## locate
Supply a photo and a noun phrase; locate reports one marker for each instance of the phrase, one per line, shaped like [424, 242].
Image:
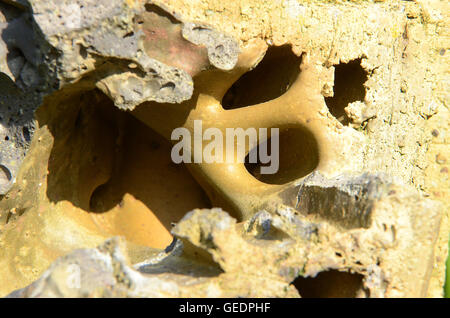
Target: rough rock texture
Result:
[24, 77]
[64, 40]
[265, 256]
[82, 168]
[108, 37]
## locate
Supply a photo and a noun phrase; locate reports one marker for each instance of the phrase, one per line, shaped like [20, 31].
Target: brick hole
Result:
[270, 79]
[298, 157]
[330, 284]
[349, 79]
[106, 162]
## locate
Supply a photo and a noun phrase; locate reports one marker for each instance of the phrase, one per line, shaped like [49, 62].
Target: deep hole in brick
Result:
[349, 79]
[330, 284]
[298, 157]
[270, 79]
[108, 164]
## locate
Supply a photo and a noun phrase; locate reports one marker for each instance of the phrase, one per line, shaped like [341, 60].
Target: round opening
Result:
[349, 79]
[331, 284]
[298, 156]
[270, 79]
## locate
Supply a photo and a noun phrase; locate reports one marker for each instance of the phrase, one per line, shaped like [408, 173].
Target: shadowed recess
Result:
[349, 79]
[106, 162]
[330, 284]
[270, 79]
[298, 157]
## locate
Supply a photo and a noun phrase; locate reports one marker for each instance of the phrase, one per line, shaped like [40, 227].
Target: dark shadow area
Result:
[16, 129]
[9, 92]
[298, 157]
[149, 7]
[270, 79]
[105, 161]
[25, 45]
[349, 79]
[330, 284]
[5, 175]
[11, 10]
[25, 77]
